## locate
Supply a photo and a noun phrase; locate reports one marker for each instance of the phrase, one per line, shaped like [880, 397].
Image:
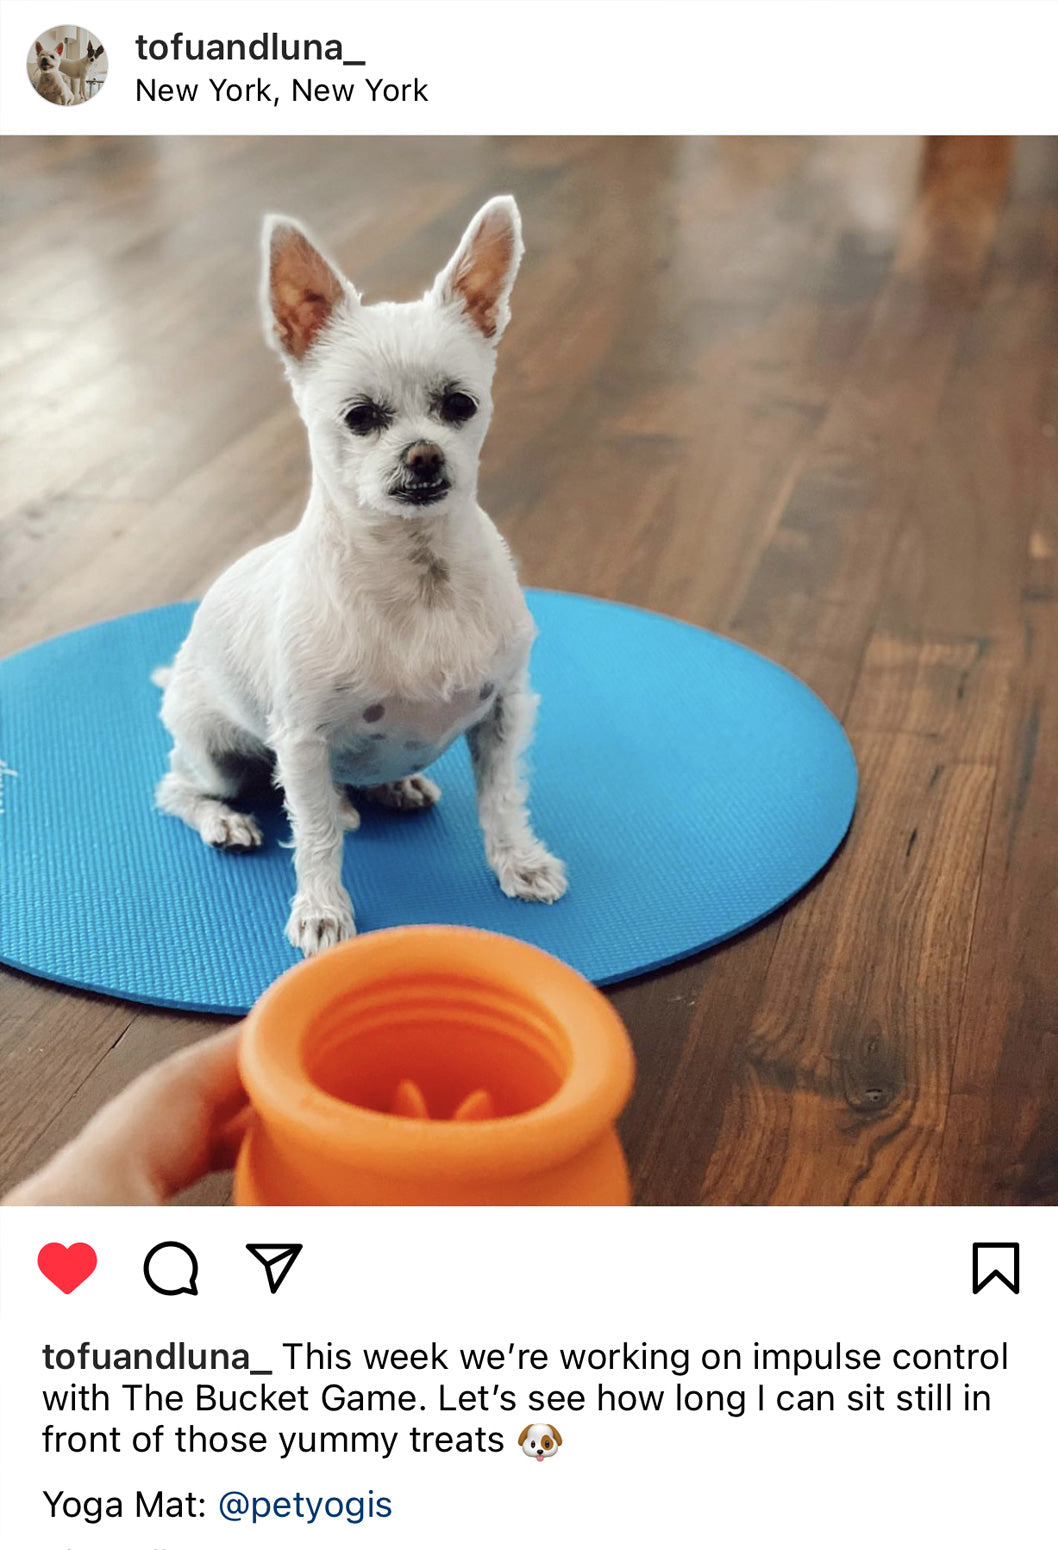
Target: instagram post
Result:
[528, 685]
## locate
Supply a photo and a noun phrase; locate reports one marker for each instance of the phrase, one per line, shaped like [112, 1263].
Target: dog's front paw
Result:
[227, 830]
[530, 872]
[316, 924]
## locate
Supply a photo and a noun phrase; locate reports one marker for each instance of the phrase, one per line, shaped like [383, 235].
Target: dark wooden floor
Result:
[803, 392]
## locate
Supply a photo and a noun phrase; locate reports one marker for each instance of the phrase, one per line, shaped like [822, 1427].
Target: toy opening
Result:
[438, 1049]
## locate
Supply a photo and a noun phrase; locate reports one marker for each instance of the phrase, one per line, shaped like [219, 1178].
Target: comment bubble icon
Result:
[171, 1269]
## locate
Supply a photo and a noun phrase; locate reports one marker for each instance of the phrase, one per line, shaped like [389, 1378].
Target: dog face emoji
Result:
[540, 1442]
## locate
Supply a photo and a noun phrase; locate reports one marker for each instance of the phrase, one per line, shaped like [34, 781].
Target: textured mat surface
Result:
[690, 785]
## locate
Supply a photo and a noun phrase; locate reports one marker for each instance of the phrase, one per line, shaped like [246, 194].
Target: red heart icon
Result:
[66, 1267]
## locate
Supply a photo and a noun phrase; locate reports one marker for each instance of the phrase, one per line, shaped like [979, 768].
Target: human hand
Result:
[170, 1127]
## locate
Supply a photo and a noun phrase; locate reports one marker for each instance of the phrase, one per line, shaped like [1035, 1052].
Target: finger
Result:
[167, 1120]
[228, 1140]
[152, 1140]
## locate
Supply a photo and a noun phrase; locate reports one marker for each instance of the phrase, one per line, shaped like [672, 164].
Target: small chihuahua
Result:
[77, 70]
[49, 82]
[351, 652]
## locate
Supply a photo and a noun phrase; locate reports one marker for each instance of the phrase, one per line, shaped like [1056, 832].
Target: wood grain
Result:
[801, 391]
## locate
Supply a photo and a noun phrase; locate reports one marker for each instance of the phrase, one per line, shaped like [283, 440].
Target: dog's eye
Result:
[364, 417]
[456, 408]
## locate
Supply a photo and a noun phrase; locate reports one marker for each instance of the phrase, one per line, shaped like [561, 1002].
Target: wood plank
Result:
[813, 598]
[51, 1041]
[838, 1069]
[1001, 1138]
[849, 1076]
[146, 1037]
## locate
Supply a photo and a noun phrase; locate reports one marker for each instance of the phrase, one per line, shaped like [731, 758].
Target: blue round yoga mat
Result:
[690, 785]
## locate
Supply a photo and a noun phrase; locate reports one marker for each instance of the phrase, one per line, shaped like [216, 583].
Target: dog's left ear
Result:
[481, 272]
[58, 48]
[301, 288]
[556, 1434]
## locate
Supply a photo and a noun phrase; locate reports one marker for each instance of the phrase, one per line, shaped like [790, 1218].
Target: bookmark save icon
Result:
[277, 1258]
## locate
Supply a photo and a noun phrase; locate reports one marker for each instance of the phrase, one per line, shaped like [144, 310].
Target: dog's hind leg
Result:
[348, 816]
[411, 795]
[195, 790]
[211, 762]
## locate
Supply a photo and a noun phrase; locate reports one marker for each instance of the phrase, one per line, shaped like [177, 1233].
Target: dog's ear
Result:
[556, 1434]
[301, 288]
[481, 272]
[58, 48]
[525, 1433]
[39, 46]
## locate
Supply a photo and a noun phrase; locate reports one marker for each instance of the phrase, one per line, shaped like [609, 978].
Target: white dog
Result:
[77, 70]
[541, 1442]
[48, 81]
[352, 651]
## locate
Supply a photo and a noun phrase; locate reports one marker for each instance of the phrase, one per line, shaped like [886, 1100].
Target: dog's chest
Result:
[392, 738]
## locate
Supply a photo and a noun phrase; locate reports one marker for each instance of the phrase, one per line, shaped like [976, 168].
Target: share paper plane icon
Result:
[277, 1259]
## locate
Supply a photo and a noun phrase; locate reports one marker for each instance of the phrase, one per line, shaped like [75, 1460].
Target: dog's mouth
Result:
[45, 64]
[419, 493]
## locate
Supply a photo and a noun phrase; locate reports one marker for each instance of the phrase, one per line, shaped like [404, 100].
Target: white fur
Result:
[371, 612]
[77, 70]
[48, 79]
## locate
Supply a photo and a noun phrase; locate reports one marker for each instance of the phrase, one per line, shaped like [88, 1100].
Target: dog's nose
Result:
[424, 460]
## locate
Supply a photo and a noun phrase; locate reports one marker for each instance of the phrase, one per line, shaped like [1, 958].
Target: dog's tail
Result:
[161, 676]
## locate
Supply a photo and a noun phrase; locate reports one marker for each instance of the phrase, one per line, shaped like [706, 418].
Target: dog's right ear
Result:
[39, 47]
[301, 288]
[525, 1433]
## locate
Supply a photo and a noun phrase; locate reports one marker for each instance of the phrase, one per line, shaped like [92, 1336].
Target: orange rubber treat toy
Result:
[434, 1065]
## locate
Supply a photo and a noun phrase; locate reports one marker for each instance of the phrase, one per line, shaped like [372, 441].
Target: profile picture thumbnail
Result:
[67, 66]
